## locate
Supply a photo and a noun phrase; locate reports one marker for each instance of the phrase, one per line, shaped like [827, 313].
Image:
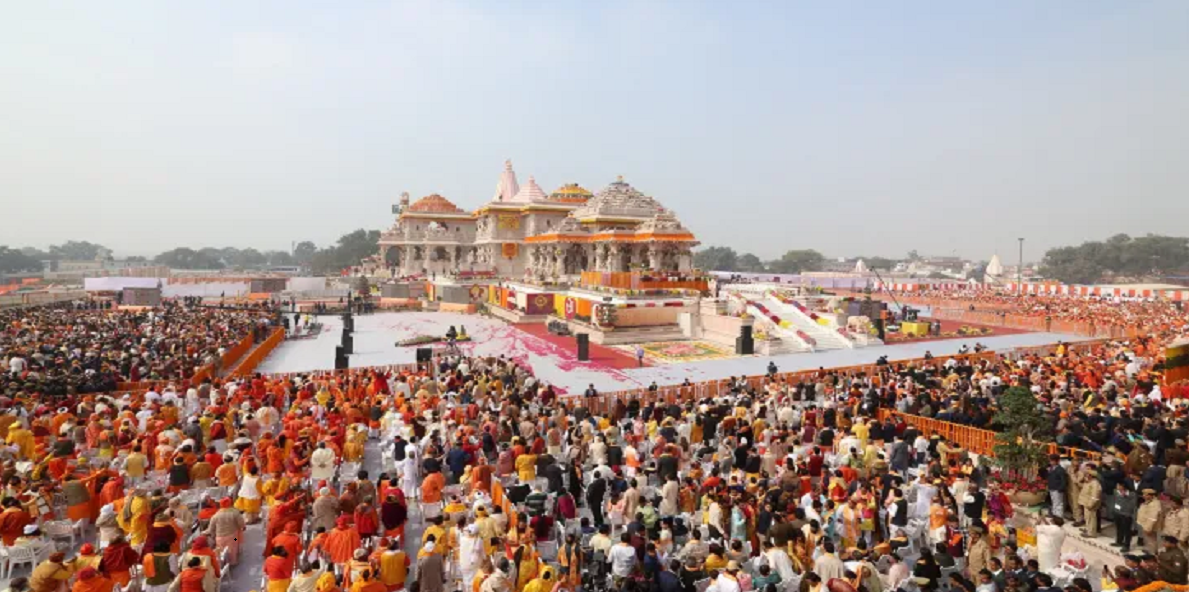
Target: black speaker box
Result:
[583, 347]
[340, 358]
[745, 331]
[745, 346]
[348, 343]
[424, 354]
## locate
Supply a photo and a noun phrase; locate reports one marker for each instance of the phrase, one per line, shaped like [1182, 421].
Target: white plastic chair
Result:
[548, 551]
[20, 555]
[60, 529]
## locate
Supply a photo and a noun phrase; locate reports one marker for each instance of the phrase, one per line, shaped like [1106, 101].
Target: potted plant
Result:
[1021, 443]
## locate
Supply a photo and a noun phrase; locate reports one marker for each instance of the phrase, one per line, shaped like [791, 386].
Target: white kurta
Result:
[1049, 539]
[322, 463]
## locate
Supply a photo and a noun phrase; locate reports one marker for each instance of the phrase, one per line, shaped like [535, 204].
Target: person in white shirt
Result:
[17, 365]
[622, 557]
[728, 581]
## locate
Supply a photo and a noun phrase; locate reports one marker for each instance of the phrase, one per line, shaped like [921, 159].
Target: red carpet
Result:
[605, 356]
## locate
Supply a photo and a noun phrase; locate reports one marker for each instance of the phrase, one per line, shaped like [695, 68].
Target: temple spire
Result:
[507, 188]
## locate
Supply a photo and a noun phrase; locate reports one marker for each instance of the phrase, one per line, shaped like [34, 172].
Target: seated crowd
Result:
[67, 348]
[505, 485]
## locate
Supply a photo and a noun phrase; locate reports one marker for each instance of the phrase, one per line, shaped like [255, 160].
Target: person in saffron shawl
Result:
[279, 517]
[13, 520]
[195, 578]
[366, 521]
[543, 583]
[118, 559]
[366, 582]
[200, 548]
[342, 542]
[278, 568]
[134, 517]
[394, 512]
[290, 541]
[90, 580]
[394, 566]
[87, 557]
[527, 565]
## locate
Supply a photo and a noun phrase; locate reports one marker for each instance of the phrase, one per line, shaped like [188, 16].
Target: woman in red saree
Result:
[394, 512]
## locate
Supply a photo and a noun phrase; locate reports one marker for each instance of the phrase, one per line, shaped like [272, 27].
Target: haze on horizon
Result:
[853, 129]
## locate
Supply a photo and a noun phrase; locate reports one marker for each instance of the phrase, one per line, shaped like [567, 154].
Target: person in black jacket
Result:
[1057, 480]
[594, 497]
[1123, 507]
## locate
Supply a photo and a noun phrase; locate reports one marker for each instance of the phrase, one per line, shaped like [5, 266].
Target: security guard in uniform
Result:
[1173, 566]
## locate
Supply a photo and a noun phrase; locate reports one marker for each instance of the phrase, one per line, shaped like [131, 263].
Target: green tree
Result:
[303, 253]
[1023, 433]
[797, 261]
[716, 259]
[749, 263]
[351, 248]
[14, 261]
[276, 258]
[1120, 255]
[76, 250]
[187, 258]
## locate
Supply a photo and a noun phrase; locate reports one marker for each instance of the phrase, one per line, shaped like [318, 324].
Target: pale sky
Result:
[849, 127]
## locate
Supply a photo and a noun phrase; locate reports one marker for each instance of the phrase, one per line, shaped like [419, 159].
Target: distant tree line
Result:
[1119, 257]
[347, 251]
[794, 261]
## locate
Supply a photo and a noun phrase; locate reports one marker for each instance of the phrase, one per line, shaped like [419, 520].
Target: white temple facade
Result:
[994, 271]
[525, 232]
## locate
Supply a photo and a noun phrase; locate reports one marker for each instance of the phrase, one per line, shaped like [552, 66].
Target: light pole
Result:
[1020, 269]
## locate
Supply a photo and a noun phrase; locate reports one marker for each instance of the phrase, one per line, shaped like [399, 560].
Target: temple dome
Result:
[619, 200]
[435, 204]
[571, 193]
[529, 192]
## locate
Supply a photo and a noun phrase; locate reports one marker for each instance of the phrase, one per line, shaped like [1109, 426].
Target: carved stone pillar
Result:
[654, 256]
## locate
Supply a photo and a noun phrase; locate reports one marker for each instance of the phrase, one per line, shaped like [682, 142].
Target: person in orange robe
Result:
[90, 580]
[191, 578]
[13, 520]
[342, 542]
[201, 547]
[290, 541]
[278, 569]
[284, 513]
[367, 582]
[118, 559]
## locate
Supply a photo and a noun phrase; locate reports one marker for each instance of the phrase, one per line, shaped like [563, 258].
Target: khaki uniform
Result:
[1090, 498]
[1149, 517]
[1074, 488]
[978, 557]
[1176, 524]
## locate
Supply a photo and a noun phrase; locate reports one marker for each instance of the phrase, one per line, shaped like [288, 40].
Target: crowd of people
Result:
[1147, 316]
[77, 347]
[473, 475]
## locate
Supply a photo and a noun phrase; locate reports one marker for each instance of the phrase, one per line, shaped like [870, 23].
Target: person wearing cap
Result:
[431, 574]
[1090, 499]
[1173, 567]
[1149, 518]
[50, 575]
[728, 579]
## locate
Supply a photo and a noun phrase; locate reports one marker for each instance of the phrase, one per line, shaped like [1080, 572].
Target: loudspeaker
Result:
[745, 346]
[424, 354]
[340, 358]
[348, 343]
[583, 347]
[877, 322]
[348, 322]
